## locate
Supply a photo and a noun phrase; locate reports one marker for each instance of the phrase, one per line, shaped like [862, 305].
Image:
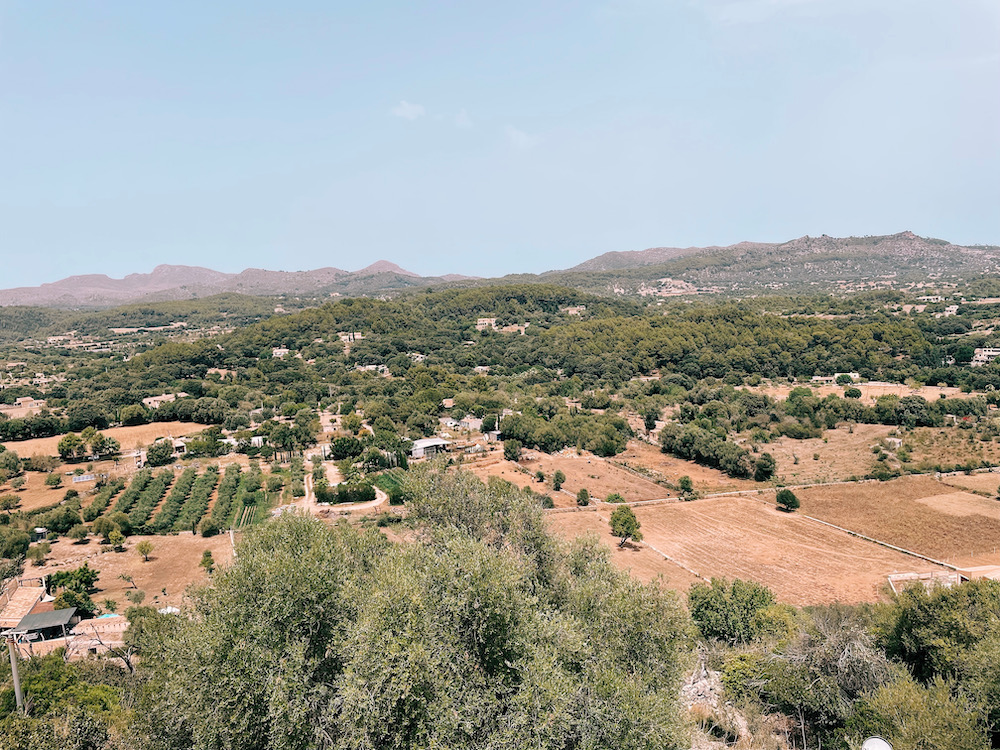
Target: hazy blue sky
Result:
[484, 137]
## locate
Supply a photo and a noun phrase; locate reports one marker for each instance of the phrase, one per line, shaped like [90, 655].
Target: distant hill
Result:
[819, 263]
[804, 264]
[167, 282]
[616, 260]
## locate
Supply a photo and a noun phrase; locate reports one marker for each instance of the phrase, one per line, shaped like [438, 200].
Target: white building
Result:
[984, 356]
[428, 447]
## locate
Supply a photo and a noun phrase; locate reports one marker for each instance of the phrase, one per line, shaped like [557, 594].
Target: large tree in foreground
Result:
[484, 633]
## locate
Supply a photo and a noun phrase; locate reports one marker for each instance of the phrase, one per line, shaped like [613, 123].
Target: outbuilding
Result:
[426, 447]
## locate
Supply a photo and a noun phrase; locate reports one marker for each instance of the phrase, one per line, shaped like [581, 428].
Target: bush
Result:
[160, 453]
[9, 502]
[78, 533]
[787, 501]
[79, 599]
[614, 497]
[731, 612]
[38, 552]
[583, 497]
[208, 527]
[512, 450]
[764, 467]
[557, 480]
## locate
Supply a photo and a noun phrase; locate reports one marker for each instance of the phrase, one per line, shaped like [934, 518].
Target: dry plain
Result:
[802, 561]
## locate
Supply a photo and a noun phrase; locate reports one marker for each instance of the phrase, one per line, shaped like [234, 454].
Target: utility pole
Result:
[15, 675]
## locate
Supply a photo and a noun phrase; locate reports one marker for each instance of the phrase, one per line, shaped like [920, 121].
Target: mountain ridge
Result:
[803, 263]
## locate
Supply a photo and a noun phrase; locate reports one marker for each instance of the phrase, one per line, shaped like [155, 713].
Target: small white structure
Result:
[155, 402]
[985, 356]
[471, 423]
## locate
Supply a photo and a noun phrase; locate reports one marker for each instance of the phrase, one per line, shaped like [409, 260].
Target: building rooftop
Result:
[43, 620]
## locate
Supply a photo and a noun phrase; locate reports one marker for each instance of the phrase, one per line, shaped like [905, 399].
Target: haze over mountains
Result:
[169, 282]
[807, 262]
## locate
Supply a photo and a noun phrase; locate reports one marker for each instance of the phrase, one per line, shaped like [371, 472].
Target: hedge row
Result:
[175, 501]
[130, 496]
[197, 503]
[102, 500]
[228, 487]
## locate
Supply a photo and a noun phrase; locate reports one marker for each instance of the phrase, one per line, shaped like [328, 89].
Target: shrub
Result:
[208, 527]
[9, 502]
[38, 552]
[512, 450]
[583, 497]
[730, 611]
[614, 497]
[764, 467]
[557, 480]
[78, 533]
[787, 501]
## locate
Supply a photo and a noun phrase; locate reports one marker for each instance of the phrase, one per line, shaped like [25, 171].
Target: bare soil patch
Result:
[802, 561]
[836, 456]
[662, 466]
[173, 565]
[916, 513]
[130, 438]
[638, 559]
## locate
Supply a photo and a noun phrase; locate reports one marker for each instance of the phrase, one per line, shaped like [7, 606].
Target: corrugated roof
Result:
[43, 620]
[428, 442]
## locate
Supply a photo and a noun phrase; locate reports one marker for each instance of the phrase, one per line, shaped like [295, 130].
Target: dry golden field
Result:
[173, 565]
[836, 456]
[138, 436]
[640, 454]
[988, 482]
[916, 513]
[802, 561]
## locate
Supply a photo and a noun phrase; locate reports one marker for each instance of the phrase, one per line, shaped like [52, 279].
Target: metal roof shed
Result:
[46, 624]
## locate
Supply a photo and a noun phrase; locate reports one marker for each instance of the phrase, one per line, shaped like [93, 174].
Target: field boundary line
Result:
[578, 509]
[679, 564]
[882, 544]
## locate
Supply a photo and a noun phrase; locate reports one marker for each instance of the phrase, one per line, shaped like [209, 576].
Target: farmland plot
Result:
[802, 561]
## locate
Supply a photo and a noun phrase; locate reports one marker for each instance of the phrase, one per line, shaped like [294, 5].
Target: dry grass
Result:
[173, 565]
[843, 454]
[130, 438]
[638, 559]
[916, 513]
[668, 468]
[802, 561]
[948, 446]
[869, 392]
[582, 470]
[986, 482]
